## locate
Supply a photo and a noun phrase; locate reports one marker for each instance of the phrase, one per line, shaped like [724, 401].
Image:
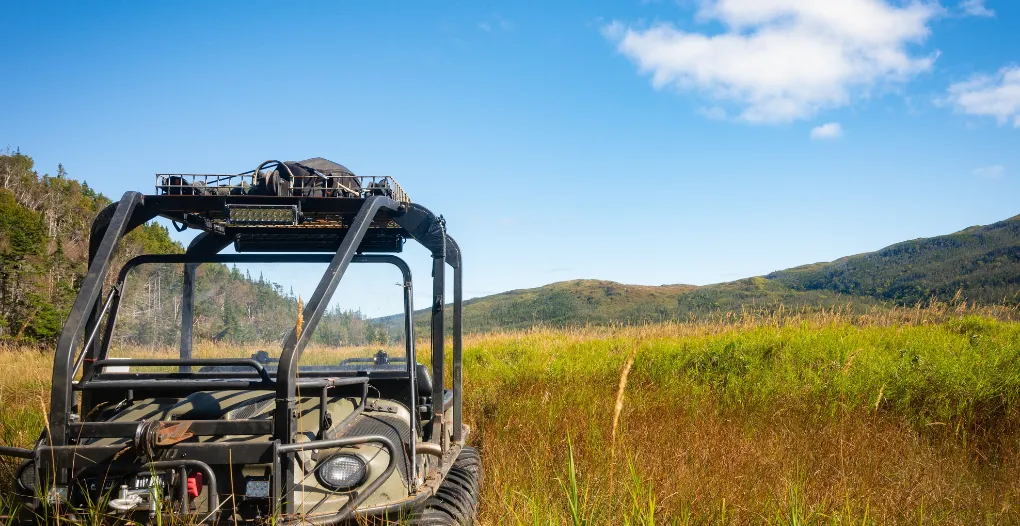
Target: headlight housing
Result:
[342, 471]
[26, 478]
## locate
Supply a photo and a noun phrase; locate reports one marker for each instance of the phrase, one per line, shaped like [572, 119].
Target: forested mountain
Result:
[595, 302]
[980, 263]
[44, 235]
[44, 228]
[603, 302]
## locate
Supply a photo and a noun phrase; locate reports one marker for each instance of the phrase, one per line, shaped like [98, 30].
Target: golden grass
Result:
[898, 417]
[908, 417]
[711, 464]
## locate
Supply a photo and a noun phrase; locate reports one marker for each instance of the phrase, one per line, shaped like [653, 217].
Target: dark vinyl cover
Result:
[303, 174]
[326, 166]
[320, 164]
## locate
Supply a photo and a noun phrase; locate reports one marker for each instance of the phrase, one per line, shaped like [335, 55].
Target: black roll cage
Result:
[366, 224]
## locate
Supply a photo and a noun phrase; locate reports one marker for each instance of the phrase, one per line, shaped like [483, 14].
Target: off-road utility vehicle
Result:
[261, 437]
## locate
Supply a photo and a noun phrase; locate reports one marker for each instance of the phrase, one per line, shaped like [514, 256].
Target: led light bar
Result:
[262, 214]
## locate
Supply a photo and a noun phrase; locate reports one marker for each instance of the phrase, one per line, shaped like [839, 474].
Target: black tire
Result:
[432, 517]
[456, 501]
[470, 460]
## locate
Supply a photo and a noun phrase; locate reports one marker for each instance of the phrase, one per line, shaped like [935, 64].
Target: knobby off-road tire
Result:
[456, 502]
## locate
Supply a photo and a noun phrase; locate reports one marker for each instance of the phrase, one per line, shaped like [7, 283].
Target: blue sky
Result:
[641, 142]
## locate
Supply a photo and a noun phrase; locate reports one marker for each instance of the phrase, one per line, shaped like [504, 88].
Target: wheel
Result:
[456, 501]
[432, 517]
[469, 459]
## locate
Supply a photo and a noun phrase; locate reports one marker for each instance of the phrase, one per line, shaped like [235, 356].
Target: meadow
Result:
[908, 416]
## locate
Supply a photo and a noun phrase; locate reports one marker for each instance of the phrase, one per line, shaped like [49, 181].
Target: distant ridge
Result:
[981, 263]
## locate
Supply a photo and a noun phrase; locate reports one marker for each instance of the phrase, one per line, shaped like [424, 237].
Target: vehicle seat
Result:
[424, 379]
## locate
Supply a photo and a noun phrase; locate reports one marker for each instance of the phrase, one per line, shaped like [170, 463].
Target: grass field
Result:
[897, 417]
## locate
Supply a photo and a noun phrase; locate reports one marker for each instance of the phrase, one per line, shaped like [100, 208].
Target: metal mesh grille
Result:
[390, 427]
[252, 410]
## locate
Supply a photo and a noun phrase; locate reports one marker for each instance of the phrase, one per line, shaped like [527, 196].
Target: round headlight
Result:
[26, 477]
[342, 471]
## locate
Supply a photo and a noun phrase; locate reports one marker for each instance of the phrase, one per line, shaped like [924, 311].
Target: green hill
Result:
[594, 302]
[980, 263]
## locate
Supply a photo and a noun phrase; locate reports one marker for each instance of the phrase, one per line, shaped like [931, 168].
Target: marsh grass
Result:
[903, 417]
[835, 417]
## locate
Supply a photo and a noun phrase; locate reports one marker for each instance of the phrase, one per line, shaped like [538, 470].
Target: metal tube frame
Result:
[133, 210]
[285, 416]
[458, 354]
[101, 255]
[80, 360]
[438, 357]
[187, 313]
[203, 244]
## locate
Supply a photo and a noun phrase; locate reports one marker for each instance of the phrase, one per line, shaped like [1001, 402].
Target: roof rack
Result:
[283, 206]
[315, 185]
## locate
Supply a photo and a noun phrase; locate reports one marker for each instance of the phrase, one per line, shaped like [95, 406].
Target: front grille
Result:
[253, 410]
[390, 427]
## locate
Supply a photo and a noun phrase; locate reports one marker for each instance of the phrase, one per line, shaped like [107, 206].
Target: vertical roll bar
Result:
[438, 290]
[187, 314]
[203, 244]
[458, 355]
[285, 415]
[412, 372]
[86, 301]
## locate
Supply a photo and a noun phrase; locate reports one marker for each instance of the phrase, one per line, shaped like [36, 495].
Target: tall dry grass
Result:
[900, 417]
[907, 416]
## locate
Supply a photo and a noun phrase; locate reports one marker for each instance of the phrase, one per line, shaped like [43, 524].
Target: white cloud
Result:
[990, 172]
[989, 95]
[832, 130]
[714, 112]
[783, 60]
[495, 22]
[976, 8]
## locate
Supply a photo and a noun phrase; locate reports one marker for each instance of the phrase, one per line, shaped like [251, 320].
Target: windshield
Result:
[247, 311]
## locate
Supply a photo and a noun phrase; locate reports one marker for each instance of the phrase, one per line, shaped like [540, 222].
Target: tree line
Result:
[44, 240]
[230, 306]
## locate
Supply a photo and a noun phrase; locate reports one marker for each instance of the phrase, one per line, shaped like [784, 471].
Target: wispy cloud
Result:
[832, 130]
[990, 172]
[989, 96]
[784, 60]
[976, 8]
[494, 23]
[715, 113]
